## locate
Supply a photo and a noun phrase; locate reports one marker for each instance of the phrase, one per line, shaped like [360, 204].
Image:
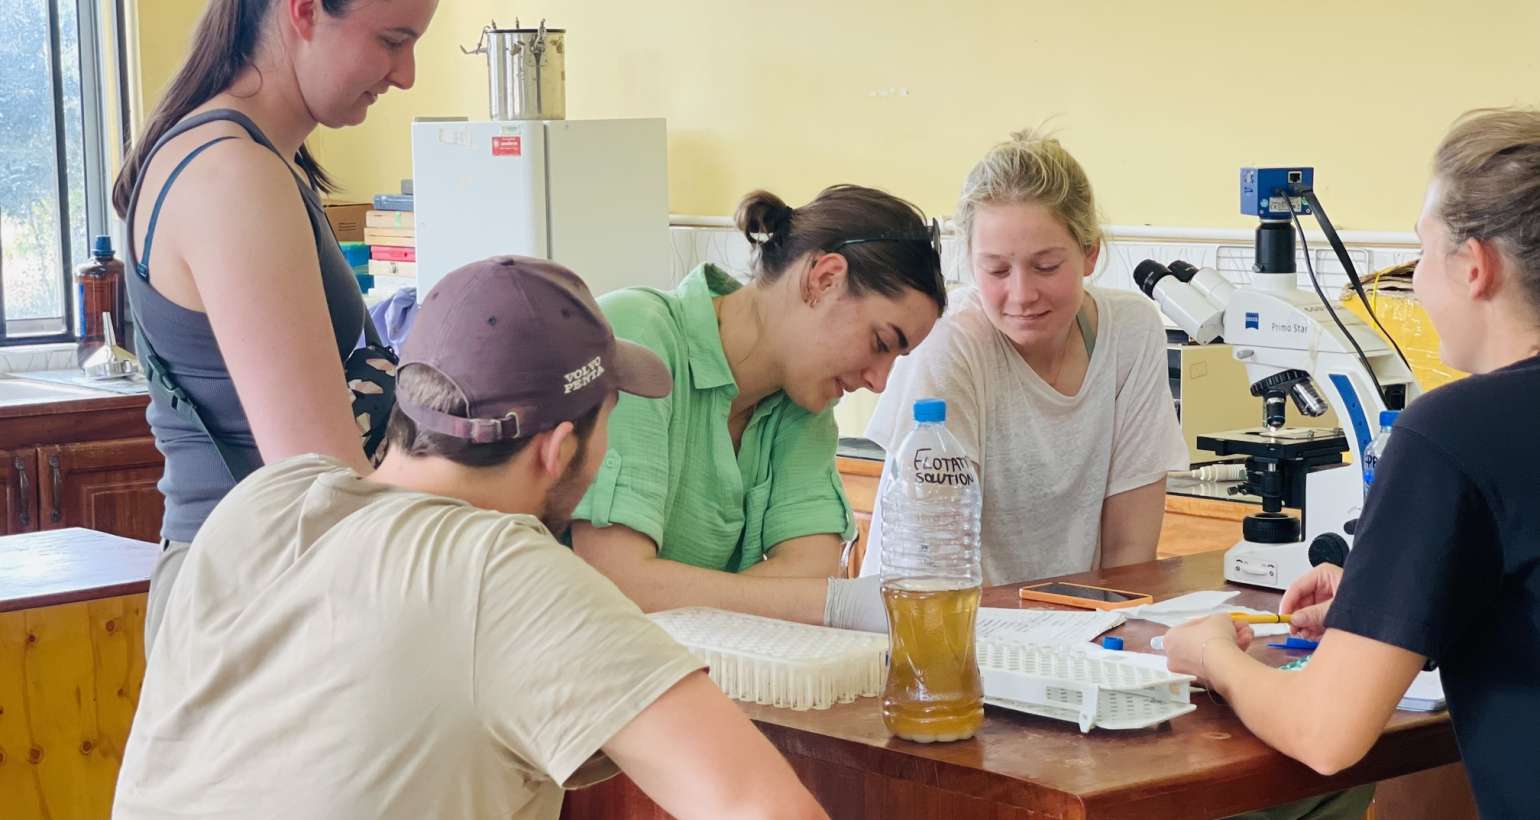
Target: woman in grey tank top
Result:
[236, 278]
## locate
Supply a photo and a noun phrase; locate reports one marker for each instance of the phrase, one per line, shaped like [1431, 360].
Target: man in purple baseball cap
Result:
[513, 349]
[418, 639]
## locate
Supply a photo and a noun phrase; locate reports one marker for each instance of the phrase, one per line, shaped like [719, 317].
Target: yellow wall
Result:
[1161, 101]
[158, 35]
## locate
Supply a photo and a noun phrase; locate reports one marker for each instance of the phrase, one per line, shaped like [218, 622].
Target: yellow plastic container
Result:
[1405, 320]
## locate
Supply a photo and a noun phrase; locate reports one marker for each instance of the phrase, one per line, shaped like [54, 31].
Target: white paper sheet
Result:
[1426, 694]
[1183, 608]
[1052, 627]
[1191, 602]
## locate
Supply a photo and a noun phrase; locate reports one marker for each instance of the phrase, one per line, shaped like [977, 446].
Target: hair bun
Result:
[764, 218]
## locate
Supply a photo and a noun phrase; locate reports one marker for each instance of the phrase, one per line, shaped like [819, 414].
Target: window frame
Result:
[95, 130]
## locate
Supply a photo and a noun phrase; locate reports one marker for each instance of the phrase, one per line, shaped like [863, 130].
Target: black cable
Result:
[1316, 283]
[1347, 266]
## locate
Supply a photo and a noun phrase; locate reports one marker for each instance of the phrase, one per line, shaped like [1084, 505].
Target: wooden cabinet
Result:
[89, 463]
[72, 606]
[107, 486]
[860, 477]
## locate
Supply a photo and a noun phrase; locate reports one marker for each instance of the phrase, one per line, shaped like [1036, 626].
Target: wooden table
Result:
[1206, 764]
[71, 663]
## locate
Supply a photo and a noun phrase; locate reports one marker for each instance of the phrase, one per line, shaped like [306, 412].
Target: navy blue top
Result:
[1446, 563]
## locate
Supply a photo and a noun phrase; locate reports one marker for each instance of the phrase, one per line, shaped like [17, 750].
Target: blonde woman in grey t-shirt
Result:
[1057, 390]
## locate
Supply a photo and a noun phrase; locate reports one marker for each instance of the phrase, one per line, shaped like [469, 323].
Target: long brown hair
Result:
[223, 45]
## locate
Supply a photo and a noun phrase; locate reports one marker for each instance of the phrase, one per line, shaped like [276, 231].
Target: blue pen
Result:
[1295, 643]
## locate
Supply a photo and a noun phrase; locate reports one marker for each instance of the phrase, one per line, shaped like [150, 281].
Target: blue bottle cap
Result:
[1112, 642]
[930, 410]
[1388, 417]
[102, 247]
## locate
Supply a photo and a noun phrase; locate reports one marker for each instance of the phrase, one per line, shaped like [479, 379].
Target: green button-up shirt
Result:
[671, 473]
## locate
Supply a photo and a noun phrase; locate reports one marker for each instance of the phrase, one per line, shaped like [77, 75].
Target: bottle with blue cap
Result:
[931, 505]
[1376, 449]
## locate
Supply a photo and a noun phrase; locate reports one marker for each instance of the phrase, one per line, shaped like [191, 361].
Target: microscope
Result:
[1296, 347]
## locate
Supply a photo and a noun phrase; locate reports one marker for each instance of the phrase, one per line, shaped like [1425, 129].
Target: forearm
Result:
[658, 583]
[327, 433]
[718, 765]
[1129, 551]
[1292, 711]
[1130, 525]
[813, 556]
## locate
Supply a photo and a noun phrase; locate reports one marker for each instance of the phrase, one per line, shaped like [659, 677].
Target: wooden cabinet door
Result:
[107, 486]
[18, 491]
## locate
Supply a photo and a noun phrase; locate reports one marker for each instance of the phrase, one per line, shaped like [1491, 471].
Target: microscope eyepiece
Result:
[1147, 273]
[1184, 271]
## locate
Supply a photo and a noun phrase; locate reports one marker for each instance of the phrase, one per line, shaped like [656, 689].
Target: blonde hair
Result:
[1488, 167]
[1032, 167]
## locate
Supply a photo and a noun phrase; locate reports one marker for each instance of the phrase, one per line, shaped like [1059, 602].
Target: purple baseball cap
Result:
[524, 340]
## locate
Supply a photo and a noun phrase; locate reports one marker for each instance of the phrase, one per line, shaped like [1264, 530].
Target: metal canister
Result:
[526, 71]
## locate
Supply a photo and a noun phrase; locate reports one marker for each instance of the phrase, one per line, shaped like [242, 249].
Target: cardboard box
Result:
[347, 219]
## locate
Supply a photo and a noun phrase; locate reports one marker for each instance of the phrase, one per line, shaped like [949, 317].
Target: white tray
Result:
[1067, 683]
[780, 663]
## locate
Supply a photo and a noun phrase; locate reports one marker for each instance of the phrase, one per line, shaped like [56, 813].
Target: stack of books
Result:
[390, 230]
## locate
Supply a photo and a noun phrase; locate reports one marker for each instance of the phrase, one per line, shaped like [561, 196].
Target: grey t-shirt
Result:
[336, 647]
[1046, 461]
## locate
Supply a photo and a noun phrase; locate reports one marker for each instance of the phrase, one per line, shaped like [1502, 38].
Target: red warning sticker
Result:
[507, 146]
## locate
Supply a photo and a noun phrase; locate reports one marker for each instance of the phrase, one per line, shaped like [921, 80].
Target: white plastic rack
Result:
[1068, 683]
[780, 663]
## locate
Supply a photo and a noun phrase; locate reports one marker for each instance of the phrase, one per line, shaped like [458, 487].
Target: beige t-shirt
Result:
[1046, 461]
[337, 648]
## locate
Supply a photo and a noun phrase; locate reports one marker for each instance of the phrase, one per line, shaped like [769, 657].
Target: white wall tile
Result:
[728, 249]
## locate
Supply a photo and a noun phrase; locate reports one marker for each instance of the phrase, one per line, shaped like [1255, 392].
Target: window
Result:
[54, 186]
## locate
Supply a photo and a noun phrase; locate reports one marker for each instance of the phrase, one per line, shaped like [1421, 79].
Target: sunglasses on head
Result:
[931, 237]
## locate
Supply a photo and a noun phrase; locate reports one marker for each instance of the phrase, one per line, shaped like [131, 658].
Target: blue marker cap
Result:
[930, 410]
[1295, 643]
[1112, 642]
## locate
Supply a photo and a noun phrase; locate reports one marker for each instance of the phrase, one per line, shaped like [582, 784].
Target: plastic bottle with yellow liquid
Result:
[931, 581]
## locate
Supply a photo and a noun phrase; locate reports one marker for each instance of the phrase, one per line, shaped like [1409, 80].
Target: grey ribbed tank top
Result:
[196, 478]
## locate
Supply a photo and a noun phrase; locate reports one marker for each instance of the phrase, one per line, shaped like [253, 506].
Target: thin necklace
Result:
[1063, 357]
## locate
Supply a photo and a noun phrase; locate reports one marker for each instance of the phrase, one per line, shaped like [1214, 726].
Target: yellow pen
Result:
[1259, 619]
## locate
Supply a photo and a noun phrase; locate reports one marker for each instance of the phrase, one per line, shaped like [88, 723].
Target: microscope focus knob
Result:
[1328, 548]
[1271, 528]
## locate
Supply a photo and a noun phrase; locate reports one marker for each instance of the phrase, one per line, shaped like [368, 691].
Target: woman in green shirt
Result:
[725, 493]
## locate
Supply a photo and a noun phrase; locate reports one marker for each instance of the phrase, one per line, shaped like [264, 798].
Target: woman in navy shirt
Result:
[1446, 560]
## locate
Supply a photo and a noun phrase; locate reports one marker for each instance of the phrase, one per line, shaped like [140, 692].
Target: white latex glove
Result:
[856, 603]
